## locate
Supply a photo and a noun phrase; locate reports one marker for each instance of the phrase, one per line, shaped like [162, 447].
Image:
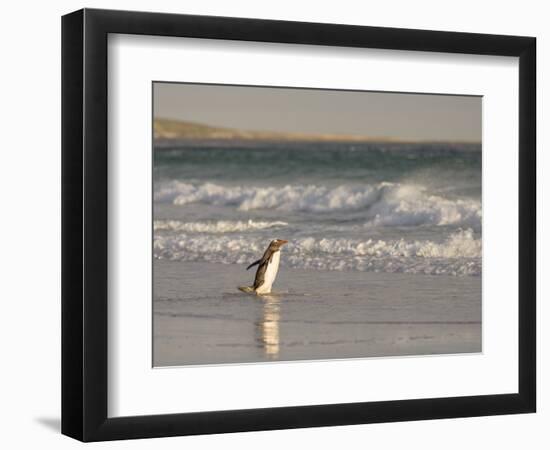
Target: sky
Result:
[376, 114]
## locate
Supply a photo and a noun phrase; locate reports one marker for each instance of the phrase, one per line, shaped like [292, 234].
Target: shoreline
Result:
[199, 316]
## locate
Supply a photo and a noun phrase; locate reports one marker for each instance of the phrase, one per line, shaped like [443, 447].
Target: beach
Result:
[199, 316]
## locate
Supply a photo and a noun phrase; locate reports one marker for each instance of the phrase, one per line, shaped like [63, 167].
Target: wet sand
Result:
[199, 316]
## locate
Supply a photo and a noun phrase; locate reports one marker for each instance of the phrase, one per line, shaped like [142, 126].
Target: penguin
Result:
[268, 267]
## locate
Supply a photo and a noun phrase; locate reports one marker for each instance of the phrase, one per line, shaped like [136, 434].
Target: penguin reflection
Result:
[268, 326]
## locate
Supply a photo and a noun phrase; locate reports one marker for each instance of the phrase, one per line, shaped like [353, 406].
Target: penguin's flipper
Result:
[254, 264]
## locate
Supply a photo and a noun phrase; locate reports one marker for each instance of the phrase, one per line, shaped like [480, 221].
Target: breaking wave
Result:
[221, 226]
[459, 254]
[385, 204]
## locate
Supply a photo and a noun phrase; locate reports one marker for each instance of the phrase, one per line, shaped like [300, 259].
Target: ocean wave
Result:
[220, 226]
[385, 204]
[459, 254]
[410, 205]
[461, 244]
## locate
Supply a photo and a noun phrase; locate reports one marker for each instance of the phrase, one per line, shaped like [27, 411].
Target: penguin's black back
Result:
[262, 267]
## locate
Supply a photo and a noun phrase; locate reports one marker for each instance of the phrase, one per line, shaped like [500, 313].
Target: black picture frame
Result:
[84, 224]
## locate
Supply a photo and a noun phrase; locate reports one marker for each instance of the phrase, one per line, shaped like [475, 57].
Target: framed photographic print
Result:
[273, 224]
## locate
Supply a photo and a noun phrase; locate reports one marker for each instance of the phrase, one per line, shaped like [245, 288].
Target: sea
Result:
[374, 229]
[409, 208]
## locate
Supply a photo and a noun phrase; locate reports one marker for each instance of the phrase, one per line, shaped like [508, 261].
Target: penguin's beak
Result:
[282, 242]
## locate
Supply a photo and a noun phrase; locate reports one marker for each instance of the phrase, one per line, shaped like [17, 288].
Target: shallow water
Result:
[199, 316]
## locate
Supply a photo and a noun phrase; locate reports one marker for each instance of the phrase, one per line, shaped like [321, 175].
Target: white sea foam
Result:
[385, 204]
[407, 205]
[459, 254]
[220, 226]
[461, 244]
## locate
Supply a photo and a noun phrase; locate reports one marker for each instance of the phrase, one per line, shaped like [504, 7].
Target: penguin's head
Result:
[276, 244]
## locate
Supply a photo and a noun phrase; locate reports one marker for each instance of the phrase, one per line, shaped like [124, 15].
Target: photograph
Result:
[249, 225]
[302, 224]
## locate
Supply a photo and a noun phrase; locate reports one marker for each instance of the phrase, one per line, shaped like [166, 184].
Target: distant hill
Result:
[167, 129]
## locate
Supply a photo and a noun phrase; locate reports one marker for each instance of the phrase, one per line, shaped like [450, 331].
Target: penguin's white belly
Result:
[270, 274]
